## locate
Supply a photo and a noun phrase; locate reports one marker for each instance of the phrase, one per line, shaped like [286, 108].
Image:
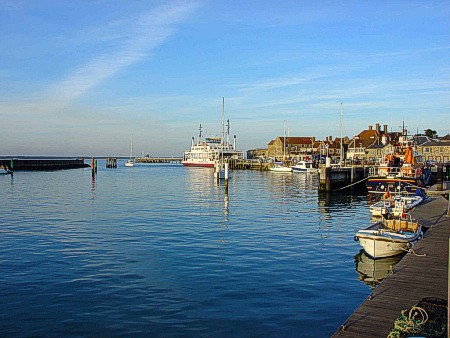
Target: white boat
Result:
[130, 162]
[207, 151]
[305, 167]
[397, 206]
[389, 237]
[280, 168]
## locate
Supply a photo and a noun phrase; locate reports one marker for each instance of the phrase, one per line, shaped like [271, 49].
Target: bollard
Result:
[328, 174]
[226, 171]
[439, 180]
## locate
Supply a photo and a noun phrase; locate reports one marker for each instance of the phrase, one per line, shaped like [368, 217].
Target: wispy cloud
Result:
[147, 32]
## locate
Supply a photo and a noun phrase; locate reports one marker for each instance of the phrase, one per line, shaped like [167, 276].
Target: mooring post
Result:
[328, 174]
[93, 166]
[439, 179]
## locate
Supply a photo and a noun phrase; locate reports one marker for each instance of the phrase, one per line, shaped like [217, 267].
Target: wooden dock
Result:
[416, 276]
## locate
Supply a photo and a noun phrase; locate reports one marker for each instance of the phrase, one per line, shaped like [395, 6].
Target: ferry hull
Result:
[199, 165]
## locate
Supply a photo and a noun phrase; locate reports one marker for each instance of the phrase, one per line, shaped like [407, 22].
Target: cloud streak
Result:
[149, 31]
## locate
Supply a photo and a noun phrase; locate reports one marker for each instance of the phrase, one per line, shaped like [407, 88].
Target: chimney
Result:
[385, 128]
[377, 127]
[370, 127]
[234, 142]
[331, 139]
[192, 142]
[313, 139]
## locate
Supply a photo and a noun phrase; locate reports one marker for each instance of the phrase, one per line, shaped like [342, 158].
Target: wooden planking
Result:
[413, 278]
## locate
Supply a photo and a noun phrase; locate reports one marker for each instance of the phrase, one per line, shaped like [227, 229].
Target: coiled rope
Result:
[411, 323]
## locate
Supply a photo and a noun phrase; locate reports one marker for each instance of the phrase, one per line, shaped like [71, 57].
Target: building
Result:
[358, 147]
[295, 147]
[431, 149]
[258, 153]
[332, 148]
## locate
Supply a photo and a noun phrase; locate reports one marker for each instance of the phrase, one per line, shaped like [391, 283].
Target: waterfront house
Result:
[357, 149]
[296, 147]
[332, 148]
[433, 149]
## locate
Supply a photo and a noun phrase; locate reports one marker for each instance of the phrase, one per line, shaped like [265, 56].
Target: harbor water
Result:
[162, 251]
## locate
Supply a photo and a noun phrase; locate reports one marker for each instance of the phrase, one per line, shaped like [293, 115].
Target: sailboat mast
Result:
[131, 147]
[341, 150]
[223, 126]
[284, 142]
[223, 120]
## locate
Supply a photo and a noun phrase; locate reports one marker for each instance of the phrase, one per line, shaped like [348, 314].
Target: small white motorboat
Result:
[280, 169]
[389, 237]
[305, 167]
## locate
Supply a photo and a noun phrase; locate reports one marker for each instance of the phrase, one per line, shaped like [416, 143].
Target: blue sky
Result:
[79, 77]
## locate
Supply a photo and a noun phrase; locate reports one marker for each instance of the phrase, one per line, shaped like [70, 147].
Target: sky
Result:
[79, 77]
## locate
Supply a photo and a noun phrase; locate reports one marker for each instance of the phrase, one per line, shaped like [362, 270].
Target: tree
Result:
[430, 133]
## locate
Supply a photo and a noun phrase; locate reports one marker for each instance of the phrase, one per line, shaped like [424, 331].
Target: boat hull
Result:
[377, 248]
[281, 169]
[198, 164]
[379, 185]
[380, 244]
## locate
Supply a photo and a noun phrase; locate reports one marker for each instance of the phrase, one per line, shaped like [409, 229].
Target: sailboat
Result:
[130, 162]
[221, 168]
[281, 168]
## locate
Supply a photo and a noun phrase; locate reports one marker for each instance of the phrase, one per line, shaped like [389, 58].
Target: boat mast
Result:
[223, 127]
[284, 142]
[341, 150]
[131, 147]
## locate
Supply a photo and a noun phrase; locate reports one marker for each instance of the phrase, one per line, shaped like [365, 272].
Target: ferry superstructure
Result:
[206, 152]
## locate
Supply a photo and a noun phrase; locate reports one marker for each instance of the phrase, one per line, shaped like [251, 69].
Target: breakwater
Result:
[43, 164]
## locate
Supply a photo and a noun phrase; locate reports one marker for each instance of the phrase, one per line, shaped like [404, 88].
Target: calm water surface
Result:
[162, 251]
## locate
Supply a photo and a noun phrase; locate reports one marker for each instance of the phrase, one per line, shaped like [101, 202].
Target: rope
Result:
[411, 323]
[348, 186]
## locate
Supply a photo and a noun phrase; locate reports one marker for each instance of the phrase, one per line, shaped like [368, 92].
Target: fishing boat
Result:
[305, 167]
[130, 162]
[281, 167]
[6, 172]
[389, 237]
[399, 172]
[398, 205]
[206, 152]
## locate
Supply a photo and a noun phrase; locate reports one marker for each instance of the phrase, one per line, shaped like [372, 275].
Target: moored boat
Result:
[397, 206]
[399, 172]
[305, 167]
[389, 237]
[206, 152]
[280, 168]
[130, 161]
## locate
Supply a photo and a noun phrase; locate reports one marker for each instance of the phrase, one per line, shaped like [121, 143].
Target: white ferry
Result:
[209, 151]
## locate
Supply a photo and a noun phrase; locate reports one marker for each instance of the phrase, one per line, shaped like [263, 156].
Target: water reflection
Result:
[373, 271]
